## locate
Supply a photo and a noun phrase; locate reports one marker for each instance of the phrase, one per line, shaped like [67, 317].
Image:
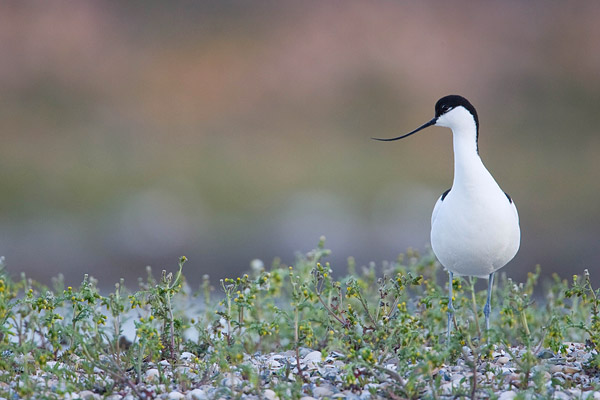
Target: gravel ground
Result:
[565, 377]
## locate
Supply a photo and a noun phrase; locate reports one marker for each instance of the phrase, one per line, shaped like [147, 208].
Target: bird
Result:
[475, 227]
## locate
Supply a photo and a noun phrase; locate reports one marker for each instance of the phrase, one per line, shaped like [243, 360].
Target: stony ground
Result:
[565, 378]
[262, 337]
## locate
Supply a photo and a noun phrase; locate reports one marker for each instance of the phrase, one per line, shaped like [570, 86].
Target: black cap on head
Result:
[447, 103]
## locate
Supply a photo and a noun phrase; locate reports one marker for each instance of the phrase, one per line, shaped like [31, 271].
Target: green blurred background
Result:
[136, 132]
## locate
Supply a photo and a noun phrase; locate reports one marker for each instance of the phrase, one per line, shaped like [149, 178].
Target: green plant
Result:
[384, 325]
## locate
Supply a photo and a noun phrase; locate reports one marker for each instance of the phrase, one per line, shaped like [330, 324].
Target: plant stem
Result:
[228, 318]
[330, 311]
[524, 322]
[296, 344]
[474, 304]
[171, 325]
[364, 305]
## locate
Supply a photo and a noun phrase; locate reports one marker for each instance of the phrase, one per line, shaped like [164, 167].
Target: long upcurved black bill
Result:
[432, 122]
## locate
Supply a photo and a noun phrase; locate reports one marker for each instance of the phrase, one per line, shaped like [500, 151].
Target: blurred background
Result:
[136, 132]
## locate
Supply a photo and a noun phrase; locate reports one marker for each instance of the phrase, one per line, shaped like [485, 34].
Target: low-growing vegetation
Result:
[381, 327]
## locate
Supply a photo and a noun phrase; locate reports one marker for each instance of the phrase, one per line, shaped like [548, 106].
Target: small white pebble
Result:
[312, 356]
[151, 375]
[567, 369]
[88, 395]
[503, 360]
[547, 376]
[270, 395]
[231, 380]
[186, 355]
[196, 394]
[561, 396]
[457, 377]
[322, 391]
[556, 368]
[175, 395]
[511, 394]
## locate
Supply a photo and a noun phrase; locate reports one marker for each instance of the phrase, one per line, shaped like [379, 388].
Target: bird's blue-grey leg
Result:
[488, 307]
[450, 306]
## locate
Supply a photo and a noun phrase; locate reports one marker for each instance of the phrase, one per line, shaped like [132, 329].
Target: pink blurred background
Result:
[136, 132]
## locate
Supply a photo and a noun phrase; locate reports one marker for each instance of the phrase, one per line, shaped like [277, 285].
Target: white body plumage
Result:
[475, 226]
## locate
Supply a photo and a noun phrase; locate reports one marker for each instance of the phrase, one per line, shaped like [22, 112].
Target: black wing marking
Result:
[508, 197]
[446, 194]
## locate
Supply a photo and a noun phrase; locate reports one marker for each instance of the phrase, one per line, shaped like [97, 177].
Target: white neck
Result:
[470, 175]
[469, 171]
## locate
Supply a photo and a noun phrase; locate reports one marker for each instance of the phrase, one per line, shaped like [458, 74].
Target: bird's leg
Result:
[450, 306]
[488, 307]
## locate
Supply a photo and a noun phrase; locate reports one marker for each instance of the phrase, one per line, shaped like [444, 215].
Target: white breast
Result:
[475, 230]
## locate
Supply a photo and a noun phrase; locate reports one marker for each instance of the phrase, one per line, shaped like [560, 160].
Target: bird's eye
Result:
[445, 108]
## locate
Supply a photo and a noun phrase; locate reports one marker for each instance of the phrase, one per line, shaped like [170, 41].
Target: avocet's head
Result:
[454, 112]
